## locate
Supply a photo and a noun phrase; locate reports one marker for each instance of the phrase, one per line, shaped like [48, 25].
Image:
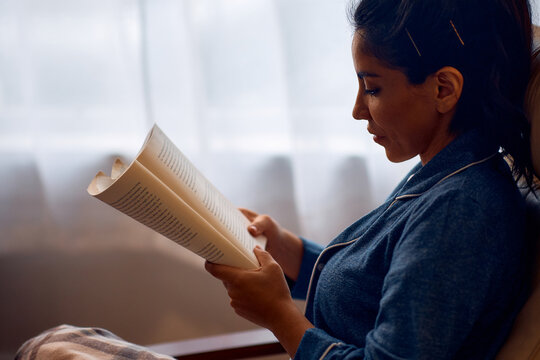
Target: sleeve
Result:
[445, 269]
[309, 257]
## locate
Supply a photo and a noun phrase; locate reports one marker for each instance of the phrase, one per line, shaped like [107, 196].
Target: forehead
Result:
[363, 61]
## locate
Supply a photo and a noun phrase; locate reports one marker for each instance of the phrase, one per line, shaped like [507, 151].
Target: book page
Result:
[140, 195]
[182, 177]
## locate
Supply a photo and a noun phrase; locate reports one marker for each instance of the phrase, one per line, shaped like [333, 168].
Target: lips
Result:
[377, 138]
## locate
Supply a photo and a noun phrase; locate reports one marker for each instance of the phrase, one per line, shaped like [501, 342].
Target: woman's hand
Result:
[262, 297]
[285, 247]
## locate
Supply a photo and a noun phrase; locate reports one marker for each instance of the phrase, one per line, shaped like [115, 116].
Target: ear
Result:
[449, 82]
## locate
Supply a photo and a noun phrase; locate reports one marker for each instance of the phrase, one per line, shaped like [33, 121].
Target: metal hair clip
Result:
[455, 30]
[412, 41]
[418, 50]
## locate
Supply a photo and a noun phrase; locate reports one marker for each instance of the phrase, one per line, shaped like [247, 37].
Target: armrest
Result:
[238, 345]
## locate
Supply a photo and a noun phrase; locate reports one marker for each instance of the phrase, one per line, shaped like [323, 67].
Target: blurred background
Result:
[257, 93]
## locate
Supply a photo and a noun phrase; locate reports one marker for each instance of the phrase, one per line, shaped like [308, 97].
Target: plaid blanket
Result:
[69, 342]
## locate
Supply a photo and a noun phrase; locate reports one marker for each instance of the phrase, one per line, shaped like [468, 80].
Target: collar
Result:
[466, 150]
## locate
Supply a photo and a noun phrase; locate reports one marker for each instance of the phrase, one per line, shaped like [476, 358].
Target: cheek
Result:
[397, 115]
[385, 117]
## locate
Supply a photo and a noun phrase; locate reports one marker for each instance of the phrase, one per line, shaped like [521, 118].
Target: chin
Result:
[397, 158]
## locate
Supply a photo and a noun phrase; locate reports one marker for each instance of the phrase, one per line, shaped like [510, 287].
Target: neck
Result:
[440, 140]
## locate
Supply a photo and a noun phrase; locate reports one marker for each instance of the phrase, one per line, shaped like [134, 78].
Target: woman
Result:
[437, 271]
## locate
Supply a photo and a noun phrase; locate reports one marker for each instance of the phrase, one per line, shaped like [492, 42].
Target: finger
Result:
[261, 224]
[263, 256]
[251, 215]
[222, 272]
[208, 266]
[254, 231]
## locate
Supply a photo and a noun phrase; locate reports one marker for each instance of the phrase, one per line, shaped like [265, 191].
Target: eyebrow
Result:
[363, 74]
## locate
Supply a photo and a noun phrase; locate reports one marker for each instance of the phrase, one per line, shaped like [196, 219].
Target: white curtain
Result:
[258, 93]
[250, 84]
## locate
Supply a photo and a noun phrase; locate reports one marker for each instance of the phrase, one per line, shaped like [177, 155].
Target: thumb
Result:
[263, 256]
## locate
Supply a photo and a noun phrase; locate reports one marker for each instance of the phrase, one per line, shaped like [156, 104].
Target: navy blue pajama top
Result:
[436, 272]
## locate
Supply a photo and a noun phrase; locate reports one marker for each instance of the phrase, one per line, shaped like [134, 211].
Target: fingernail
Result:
[253, 229]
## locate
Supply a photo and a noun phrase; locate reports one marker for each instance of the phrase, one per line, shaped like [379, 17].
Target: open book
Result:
[163, 190]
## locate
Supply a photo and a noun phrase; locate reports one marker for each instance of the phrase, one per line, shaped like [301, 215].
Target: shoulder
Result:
[478, 209]
[488, 189]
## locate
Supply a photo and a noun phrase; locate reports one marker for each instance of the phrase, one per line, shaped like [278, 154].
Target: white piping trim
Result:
[444, 178]
[329, 348]
[355, 239]
[315, 268]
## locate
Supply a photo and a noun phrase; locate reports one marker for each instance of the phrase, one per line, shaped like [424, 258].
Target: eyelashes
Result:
[371, 92]
[365, 89]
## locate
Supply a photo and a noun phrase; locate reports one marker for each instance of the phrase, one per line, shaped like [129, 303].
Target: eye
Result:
[371, 92]
[367, 90]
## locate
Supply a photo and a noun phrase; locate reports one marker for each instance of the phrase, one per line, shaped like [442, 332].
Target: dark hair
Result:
[488, 41]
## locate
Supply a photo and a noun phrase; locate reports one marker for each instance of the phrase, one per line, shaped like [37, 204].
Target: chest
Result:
[351, 277]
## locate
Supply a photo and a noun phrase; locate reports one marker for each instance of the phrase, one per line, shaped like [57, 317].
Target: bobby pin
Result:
[412, 41]
[455, 30]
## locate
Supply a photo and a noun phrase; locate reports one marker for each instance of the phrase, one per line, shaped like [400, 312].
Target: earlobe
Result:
[449, 82]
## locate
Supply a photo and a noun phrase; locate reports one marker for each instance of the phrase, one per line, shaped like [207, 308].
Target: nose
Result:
[360, 110]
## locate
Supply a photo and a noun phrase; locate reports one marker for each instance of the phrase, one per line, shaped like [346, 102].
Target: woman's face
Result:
[402, 117]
